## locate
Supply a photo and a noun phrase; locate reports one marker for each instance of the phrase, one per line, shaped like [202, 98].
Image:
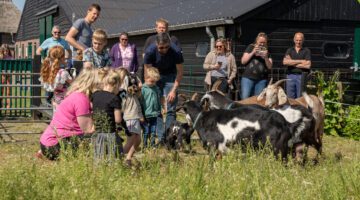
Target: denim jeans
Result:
[293, 86]
[251, 87]
[149, 130]
[165, 85]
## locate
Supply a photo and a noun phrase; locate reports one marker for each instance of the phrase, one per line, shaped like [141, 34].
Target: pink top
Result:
[65, 119]
[127, 56]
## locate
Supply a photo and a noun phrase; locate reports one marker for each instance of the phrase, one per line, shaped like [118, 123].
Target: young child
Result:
[53, 77]
[151, 101]
[132, 116]
[96, 54]
[107, 106]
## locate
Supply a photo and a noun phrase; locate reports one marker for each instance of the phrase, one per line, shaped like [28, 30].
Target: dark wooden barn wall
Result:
[313, 10]
[5, 38]
[194, 74]
[280, 38]
[316, 34]
[29, 25]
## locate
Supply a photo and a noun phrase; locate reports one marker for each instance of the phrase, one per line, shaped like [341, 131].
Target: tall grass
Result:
[163, 175]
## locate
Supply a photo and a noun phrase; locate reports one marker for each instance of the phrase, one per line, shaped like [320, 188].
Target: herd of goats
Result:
[288, 125]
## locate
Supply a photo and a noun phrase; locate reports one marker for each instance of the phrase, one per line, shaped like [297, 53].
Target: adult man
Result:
[298, 61]
[162, 26]
[168, 59]
[55, 40]
[80, 34]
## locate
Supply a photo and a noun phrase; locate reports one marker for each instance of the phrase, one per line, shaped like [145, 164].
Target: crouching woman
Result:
[72, 119]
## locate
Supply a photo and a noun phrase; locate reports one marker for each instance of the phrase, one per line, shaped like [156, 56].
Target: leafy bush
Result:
[352, 128]
[334, 112]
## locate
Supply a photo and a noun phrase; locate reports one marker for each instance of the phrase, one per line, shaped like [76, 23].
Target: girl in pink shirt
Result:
[72, 117]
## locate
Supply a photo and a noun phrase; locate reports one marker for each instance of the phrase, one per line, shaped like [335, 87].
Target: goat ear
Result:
[261, 95]
[282, 96]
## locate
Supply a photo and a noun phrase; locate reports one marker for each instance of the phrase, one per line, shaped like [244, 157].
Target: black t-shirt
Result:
[151, 40]
[107, 102]
[256, 67]
[165, 63]
[304, 54]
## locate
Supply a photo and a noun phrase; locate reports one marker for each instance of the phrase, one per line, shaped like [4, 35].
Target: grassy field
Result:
[167, 175]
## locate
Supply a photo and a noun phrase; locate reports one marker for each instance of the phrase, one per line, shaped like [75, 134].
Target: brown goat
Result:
[273, 95]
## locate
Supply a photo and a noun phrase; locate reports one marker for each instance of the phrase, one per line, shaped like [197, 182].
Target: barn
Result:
[331, 29]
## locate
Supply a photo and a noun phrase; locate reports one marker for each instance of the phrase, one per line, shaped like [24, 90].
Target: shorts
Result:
[133, 125]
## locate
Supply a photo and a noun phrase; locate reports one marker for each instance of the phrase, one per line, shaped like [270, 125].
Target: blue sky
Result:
[19, 4]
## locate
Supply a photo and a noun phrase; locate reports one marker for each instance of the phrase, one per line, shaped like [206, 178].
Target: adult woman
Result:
[5, 54]
[72, 118]
[220, 65]
[124, 55]
[258, 62]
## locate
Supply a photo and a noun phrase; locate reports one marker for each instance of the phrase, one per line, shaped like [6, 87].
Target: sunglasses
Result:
[164, 47]
[219, 46]
[123, 39]
[57, 32]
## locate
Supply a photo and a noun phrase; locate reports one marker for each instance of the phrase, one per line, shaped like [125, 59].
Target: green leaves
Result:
[334, 112]
[338, 121]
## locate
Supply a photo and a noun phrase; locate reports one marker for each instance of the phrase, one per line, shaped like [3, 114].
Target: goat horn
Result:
[271, 80]
[216, 85]
[179, 108]
[195, 96]
[280, 81]
[183, 97]
[220, 92]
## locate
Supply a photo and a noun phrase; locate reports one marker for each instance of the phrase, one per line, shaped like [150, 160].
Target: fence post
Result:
[36, 91]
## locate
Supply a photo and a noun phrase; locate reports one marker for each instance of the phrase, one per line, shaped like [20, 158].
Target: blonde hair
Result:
[108, 76]
[223, 42]
[51, 64]
[100, 34]
[263, 35]
[122, 73]
[162, 21]
[153, 73]
[86, 82]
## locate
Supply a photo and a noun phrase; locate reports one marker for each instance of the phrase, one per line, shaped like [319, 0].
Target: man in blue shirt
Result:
[55, 40]
[167, 58]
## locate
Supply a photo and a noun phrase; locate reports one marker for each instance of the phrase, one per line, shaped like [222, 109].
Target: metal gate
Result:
[20, 93]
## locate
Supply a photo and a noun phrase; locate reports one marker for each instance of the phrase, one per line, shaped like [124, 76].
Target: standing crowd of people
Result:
[108, 84]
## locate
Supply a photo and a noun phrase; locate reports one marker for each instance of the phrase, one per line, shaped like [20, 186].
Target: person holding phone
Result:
[220, 66]
[257, 62]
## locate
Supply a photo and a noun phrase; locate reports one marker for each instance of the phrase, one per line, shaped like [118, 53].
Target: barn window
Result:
[202, 49]
[336, 50]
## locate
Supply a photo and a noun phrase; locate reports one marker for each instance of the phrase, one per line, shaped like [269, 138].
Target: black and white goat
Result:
[299, 118]
[177, 133]
[253, 123]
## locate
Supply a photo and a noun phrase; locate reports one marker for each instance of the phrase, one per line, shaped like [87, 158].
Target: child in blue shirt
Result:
[151, 101]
